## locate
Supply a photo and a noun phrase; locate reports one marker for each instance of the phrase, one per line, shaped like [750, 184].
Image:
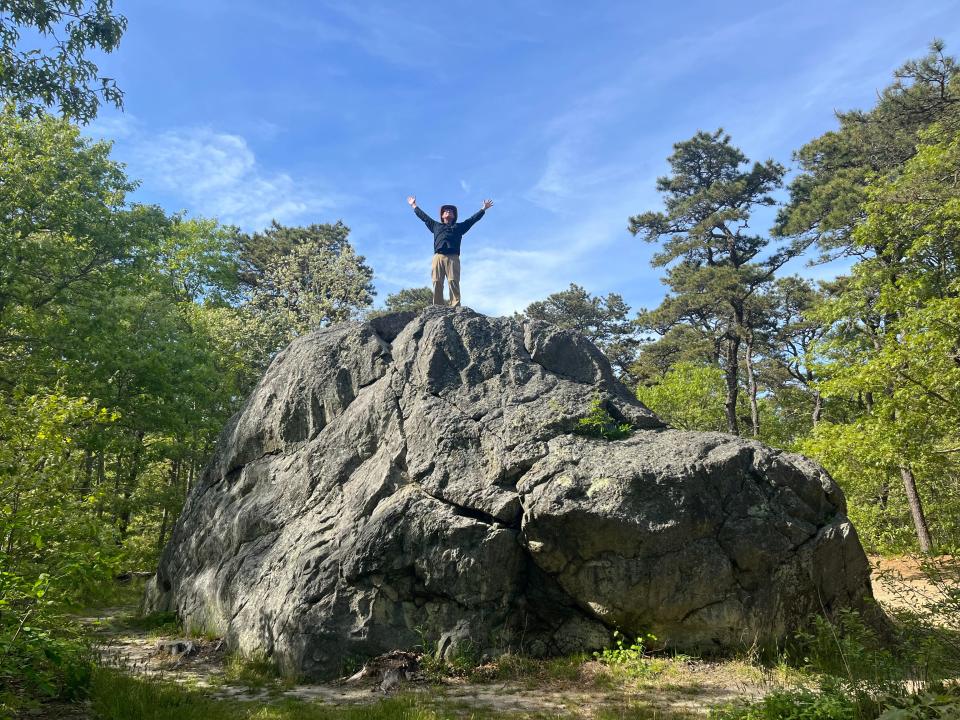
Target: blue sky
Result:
[562, 112]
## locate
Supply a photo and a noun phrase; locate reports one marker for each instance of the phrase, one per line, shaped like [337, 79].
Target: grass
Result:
[257, 672]
[119, 696]
[157, 624]
[642, 711]
[531, 672]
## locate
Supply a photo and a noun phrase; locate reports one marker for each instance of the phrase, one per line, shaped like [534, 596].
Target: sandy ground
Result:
[899, 583]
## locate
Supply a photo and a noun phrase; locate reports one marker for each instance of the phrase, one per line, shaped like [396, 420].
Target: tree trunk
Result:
[733, 383]
[752, 385]
[884, 497]
[190, 476]
[175, 467]
[101, 479]
[126, 492]
[163, 531]
[916, 509]
[87, 486]
[817, 407]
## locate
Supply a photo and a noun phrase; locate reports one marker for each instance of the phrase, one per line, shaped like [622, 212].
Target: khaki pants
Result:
[446, 266]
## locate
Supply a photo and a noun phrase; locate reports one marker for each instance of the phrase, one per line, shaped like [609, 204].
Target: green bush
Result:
[792, 705]
[599, 423]
[38, 662]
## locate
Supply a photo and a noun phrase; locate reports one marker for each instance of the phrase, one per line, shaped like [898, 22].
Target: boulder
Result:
[417, 481]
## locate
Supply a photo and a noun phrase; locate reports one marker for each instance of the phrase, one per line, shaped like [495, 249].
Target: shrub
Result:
[599, 423]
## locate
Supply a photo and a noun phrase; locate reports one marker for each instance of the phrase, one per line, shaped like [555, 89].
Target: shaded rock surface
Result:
[414, 479]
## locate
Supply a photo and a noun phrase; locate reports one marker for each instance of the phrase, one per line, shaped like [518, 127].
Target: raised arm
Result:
[427, 220]
[470, 221]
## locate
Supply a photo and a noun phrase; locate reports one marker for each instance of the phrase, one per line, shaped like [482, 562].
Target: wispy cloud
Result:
[113, 126]
[217, 174]
[387, 32]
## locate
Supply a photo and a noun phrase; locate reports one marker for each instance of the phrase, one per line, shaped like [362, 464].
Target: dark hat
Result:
[448, 207]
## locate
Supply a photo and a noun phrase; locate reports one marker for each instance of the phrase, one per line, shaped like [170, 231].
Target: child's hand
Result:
[412, 200]
[487, 204]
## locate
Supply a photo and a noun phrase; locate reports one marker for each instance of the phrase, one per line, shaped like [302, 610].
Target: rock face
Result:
[415, 480]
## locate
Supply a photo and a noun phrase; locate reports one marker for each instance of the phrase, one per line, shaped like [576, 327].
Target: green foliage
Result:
[846, 647]
[598, 423]
[118, 696]
[305, 278]
[409, 299]
[860, 676]
[32, 79]
[931, 705]
[894, 325]
[61, 200]
[158, 623]
[531, 672]
[126, 345]
[632, 656]
[52, 552]
[826, 199]
[688, 397]
[927, 620]
[793, 705]
[838, 703]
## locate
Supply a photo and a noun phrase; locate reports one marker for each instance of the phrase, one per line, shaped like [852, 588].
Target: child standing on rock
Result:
[447, 235]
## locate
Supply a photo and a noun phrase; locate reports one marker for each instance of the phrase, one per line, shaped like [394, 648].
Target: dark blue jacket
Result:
[446, 238]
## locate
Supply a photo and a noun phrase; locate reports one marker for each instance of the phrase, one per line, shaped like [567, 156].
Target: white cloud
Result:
[465, 186]
[499, 280]
[114, 127]
[217, 174]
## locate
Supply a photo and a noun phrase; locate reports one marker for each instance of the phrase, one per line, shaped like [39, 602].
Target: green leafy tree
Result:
[125, 345]
[53, 552]
[305, 278]
[700, 345]
[796, 332]
[603, 320]
[60, 75]
[201, 257]
[409, 299]
[715, 266]
[61, 223]
[689, 396]
[893, 342]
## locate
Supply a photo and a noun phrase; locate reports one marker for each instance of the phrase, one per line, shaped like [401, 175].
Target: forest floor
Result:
[674, 686]
[649, 686]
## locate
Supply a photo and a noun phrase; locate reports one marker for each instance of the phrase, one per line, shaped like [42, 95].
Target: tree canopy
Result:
[59, 76]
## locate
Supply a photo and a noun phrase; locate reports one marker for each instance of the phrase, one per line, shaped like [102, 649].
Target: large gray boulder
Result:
[416, 479]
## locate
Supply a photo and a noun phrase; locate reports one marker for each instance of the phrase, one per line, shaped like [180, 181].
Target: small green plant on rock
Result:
[599, 423]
